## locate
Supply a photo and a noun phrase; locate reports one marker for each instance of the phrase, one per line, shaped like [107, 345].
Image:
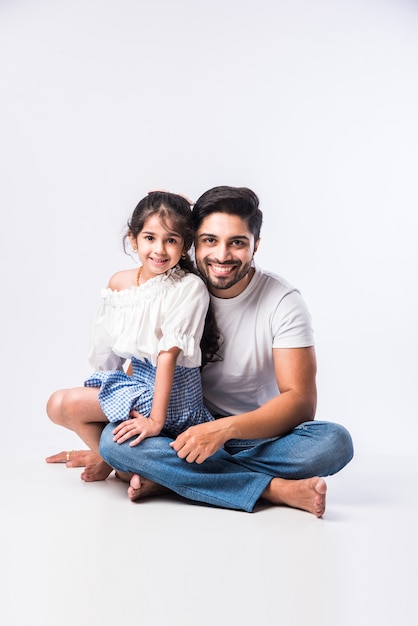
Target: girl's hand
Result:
[138, 425]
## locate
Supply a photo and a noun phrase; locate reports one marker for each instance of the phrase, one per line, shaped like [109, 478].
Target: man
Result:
[265, 444]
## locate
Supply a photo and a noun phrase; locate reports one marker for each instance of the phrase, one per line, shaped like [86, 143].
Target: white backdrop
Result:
[311, 104]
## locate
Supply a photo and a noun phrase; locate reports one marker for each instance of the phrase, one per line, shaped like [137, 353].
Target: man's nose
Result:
[222, 252]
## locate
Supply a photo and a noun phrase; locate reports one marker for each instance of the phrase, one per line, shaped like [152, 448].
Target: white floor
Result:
[76, 553]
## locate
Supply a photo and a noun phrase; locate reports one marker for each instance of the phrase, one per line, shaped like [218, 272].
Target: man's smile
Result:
[221, 270]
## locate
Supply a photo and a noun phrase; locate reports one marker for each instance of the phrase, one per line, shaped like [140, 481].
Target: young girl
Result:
[157, 317]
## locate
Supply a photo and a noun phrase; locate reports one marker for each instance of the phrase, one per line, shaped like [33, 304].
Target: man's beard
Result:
[222, 282]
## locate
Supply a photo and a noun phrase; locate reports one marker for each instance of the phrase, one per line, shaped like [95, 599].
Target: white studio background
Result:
[311, 104]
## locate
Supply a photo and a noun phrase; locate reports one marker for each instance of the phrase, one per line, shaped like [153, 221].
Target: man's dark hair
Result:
[239, 201]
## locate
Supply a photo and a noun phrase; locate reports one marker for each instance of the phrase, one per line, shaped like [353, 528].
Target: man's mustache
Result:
[222, 262]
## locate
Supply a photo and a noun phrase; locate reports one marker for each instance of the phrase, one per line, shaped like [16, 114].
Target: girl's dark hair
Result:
[239, 201]
[177, 210]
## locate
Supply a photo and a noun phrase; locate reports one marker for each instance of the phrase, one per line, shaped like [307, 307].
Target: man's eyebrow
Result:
[230, 238]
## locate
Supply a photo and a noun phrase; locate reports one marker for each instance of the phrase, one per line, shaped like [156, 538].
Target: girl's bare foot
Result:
[307, 494]
[96, 471]
[74, 458]
[140, 487]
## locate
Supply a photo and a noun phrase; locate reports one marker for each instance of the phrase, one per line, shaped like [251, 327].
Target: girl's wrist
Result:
[157, 421]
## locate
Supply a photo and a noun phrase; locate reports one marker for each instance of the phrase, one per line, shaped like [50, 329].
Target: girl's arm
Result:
[166, 364]
[151, 426]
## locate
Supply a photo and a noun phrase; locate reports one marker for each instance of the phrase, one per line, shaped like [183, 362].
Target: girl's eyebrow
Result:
[150, 232]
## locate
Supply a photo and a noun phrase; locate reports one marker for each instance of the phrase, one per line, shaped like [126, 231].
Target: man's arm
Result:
[295, 374]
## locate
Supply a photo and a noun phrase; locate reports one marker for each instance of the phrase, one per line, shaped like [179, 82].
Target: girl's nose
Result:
[159, 246]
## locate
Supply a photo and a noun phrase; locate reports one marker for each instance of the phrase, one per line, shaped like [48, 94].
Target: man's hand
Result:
[198, 443]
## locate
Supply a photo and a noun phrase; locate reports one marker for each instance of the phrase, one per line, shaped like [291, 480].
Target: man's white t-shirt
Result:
[269, 313]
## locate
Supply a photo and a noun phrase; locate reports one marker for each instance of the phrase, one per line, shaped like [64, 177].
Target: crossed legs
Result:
[285, 471]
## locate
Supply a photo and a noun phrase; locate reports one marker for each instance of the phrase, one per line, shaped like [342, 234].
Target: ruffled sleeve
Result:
[184, 318]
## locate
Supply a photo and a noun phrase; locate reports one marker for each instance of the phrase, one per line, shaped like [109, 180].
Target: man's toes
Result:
[135, 482]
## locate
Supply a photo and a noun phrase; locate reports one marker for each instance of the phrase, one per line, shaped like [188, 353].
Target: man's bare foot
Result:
[140, 487]
[96, 471]
[307, 494]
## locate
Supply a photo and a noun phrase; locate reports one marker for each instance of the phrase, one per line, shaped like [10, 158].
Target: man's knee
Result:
[346, 443]
[340, 446]
[107, 444]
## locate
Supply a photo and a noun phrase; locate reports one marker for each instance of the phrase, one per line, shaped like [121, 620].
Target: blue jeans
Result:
[235, 476]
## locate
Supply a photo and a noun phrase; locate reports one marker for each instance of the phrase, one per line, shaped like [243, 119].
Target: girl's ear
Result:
[133, 242]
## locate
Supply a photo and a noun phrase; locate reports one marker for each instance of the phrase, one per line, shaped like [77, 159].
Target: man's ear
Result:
[256, 245]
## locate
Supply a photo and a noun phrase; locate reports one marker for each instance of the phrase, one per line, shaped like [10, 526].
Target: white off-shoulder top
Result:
[166, 311]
